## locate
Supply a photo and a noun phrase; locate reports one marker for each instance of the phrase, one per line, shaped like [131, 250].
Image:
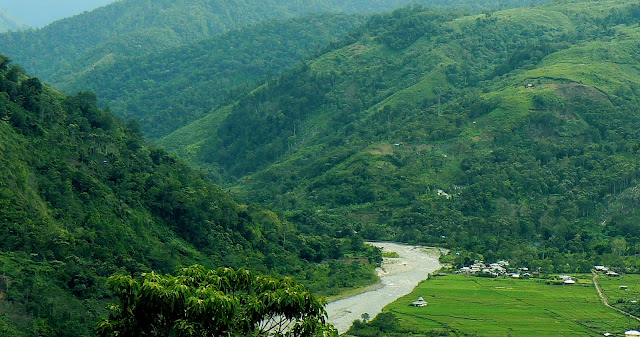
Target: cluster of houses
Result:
[502, 269]
[606, 271]
[496, 269]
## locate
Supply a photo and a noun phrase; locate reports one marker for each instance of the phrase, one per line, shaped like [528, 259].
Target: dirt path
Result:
[399, 276]
[604, 299]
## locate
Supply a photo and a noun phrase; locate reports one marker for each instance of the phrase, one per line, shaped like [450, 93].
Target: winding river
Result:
[398, 276]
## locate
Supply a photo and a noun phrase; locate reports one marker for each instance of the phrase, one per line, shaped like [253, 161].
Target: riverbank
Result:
[398, 277]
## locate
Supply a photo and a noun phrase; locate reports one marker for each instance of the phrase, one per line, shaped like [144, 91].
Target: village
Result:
[503, 269]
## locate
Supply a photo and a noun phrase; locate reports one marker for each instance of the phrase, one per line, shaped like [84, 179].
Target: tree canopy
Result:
[222, 302]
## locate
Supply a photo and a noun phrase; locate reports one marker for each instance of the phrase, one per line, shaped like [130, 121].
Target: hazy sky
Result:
[41, 12]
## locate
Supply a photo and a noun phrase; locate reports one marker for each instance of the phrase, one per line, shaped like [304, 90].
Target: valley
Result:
[398, 277]
[163, 161]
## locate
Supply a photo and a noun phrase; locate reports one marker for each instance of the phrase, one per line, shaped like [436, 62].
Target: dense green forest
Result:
[65, 49]
[499, 133]
[507, 134]
[123, 51]
[82, 196]
[166, 90]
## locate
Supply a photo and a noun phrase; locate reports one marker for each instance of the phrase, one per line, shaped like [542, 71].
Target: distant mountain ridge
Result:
[138, 27]
[89, 51]
[10, 23]
[168, 89]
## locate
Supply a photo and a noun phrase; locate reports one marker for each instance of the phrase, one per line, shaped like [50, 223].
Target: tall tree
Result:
[224, 302]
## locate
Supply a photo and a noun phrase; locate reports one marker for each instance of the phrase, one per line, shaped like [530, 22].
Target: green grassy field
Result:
[615, 295]
[507, 307]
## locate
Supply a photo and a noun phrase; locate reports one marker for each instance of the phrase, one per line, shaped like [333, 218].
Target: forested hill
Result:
[66, 48]
[8, 22]
[166, 90]
[82, 196]
[508, 133]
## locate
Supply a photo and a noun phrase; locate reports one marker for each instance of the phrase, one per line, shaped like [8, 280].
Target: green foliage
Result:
[200, 302]
[139, 27]
[167, 90]
[507, 134]
[82, 196]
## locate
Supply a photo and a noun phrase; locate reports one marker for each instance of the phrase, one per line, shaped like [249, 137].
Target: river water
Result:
[398, 276]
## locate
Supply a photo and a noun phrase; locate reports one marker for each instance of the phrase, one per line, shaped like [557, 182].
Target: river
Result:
[398, 276]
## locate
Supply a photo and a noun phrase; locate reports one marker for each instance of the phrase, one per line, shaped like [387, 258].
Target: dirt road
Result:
[398, 276]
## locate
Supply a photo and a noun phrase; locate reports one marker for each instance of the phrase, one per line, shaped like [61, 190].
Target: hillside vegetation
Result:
[82, 196]
[169, 89]
[130, 52]
[508, 133]
[66, 48]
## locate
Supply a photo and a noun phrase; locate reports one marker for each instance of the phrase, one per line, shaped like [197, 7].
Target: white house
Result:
[601, 268]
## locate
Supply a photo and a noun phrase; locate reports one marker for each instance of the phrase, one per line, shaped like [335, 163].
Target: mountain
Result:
[83, 197]
[83, 51]
[8, 22]
[38, 13]
[169, 89]
[508, 133]
[68, 47]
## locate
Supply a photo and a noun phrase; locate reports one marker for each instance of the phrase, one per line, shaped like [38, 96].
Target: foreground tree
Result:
[224, 302]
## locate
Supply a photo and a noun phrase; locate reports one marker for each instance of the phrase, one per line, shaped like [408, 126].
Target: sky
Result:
[39, 13]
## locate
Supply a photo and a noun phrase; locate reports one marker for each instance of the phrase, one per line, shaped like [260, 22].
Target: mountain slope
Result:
[138, 27]
[83, 197]
[507, 133]
[166, 90]
[95, 50]
[8, 22]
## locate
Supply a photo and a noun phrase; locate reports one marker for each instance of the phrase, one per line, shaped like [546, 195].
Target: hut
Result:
[419, 303]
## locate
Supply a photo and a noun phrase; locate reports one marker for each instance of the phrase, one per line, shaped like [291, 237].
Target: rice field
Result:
[510, 307]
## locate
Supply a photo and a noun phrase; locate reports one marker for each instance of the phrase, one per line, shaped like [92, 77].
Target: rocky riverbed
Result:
[398, 276]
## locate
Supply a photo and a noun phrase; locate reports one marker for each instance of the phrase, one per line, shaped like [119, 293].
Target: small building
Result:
[564, 277]
[632, 333]
[623, 287]
[612, 273]
[419, 303]
[601, 268]
[569, 282]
